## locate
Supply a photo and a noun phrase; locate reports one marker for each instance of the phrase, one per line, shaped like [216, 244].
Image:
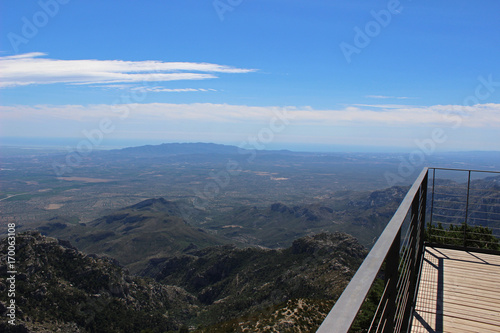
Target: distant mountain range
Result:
[199, 148]
[178, 149]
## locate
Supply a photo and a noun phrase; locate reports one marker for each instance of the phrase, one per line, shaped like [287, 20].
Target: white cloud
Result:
[382, 107]
[473, 127]
[34, 68]
[478, 116]
[161, 89]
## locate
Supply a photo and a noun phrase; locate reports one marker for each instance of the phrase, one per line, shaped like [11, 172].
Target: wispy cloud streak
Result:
[387, 97]
[35, 68]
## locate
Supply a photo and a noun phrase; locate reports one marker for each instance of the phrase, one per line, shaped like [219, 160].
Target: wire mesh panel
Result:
[465, 208]
[484, 202]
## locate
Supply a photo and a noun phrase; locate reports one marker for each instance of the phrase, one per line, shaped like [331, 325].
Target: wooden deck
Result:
[459, 292]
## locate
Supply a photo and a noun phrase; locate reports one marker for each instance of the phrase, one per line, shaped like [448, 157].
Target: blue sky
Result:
[364, 75]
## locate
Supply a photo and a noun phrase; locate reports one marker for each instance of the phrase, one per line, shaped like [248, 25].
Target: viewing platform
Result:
[459, 291]
[436, 266]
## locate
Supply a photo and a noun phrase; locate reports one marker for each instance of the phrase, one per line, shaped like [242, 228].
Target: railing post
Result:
[391, 279]
[421, 215]
[432, 199]
[466, 211]
[423, 211]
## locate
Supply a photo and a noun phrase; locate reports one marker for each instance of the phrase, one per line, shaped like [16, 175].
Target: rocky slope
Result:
[61, 289]
[233, 283]
[215, 289]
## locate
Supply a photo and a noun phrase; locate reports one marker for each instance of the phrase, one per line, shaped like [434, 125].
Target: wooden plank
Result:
[458, 285]
[471, 260]
[482, 287]
[469, 293]
[491, 259]
[482, 303]
[465, 312]
[468, 286]
[457, 324]
[488, 259]
[481, 275]
[448, 326]
[476, 265]
[480, 258]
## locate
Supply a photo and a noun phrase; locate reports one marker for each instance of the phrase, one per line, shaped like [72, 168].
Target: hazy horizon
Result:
[284, 75]
[66, 144]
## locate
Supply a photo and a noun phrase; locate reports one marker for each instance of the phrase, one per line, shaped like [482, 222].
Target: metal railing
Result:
[402, 257]
[462, 213]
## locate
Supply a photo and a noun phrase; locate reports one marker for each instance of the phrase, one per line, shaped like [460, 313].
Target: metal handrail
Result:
[386, 249]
